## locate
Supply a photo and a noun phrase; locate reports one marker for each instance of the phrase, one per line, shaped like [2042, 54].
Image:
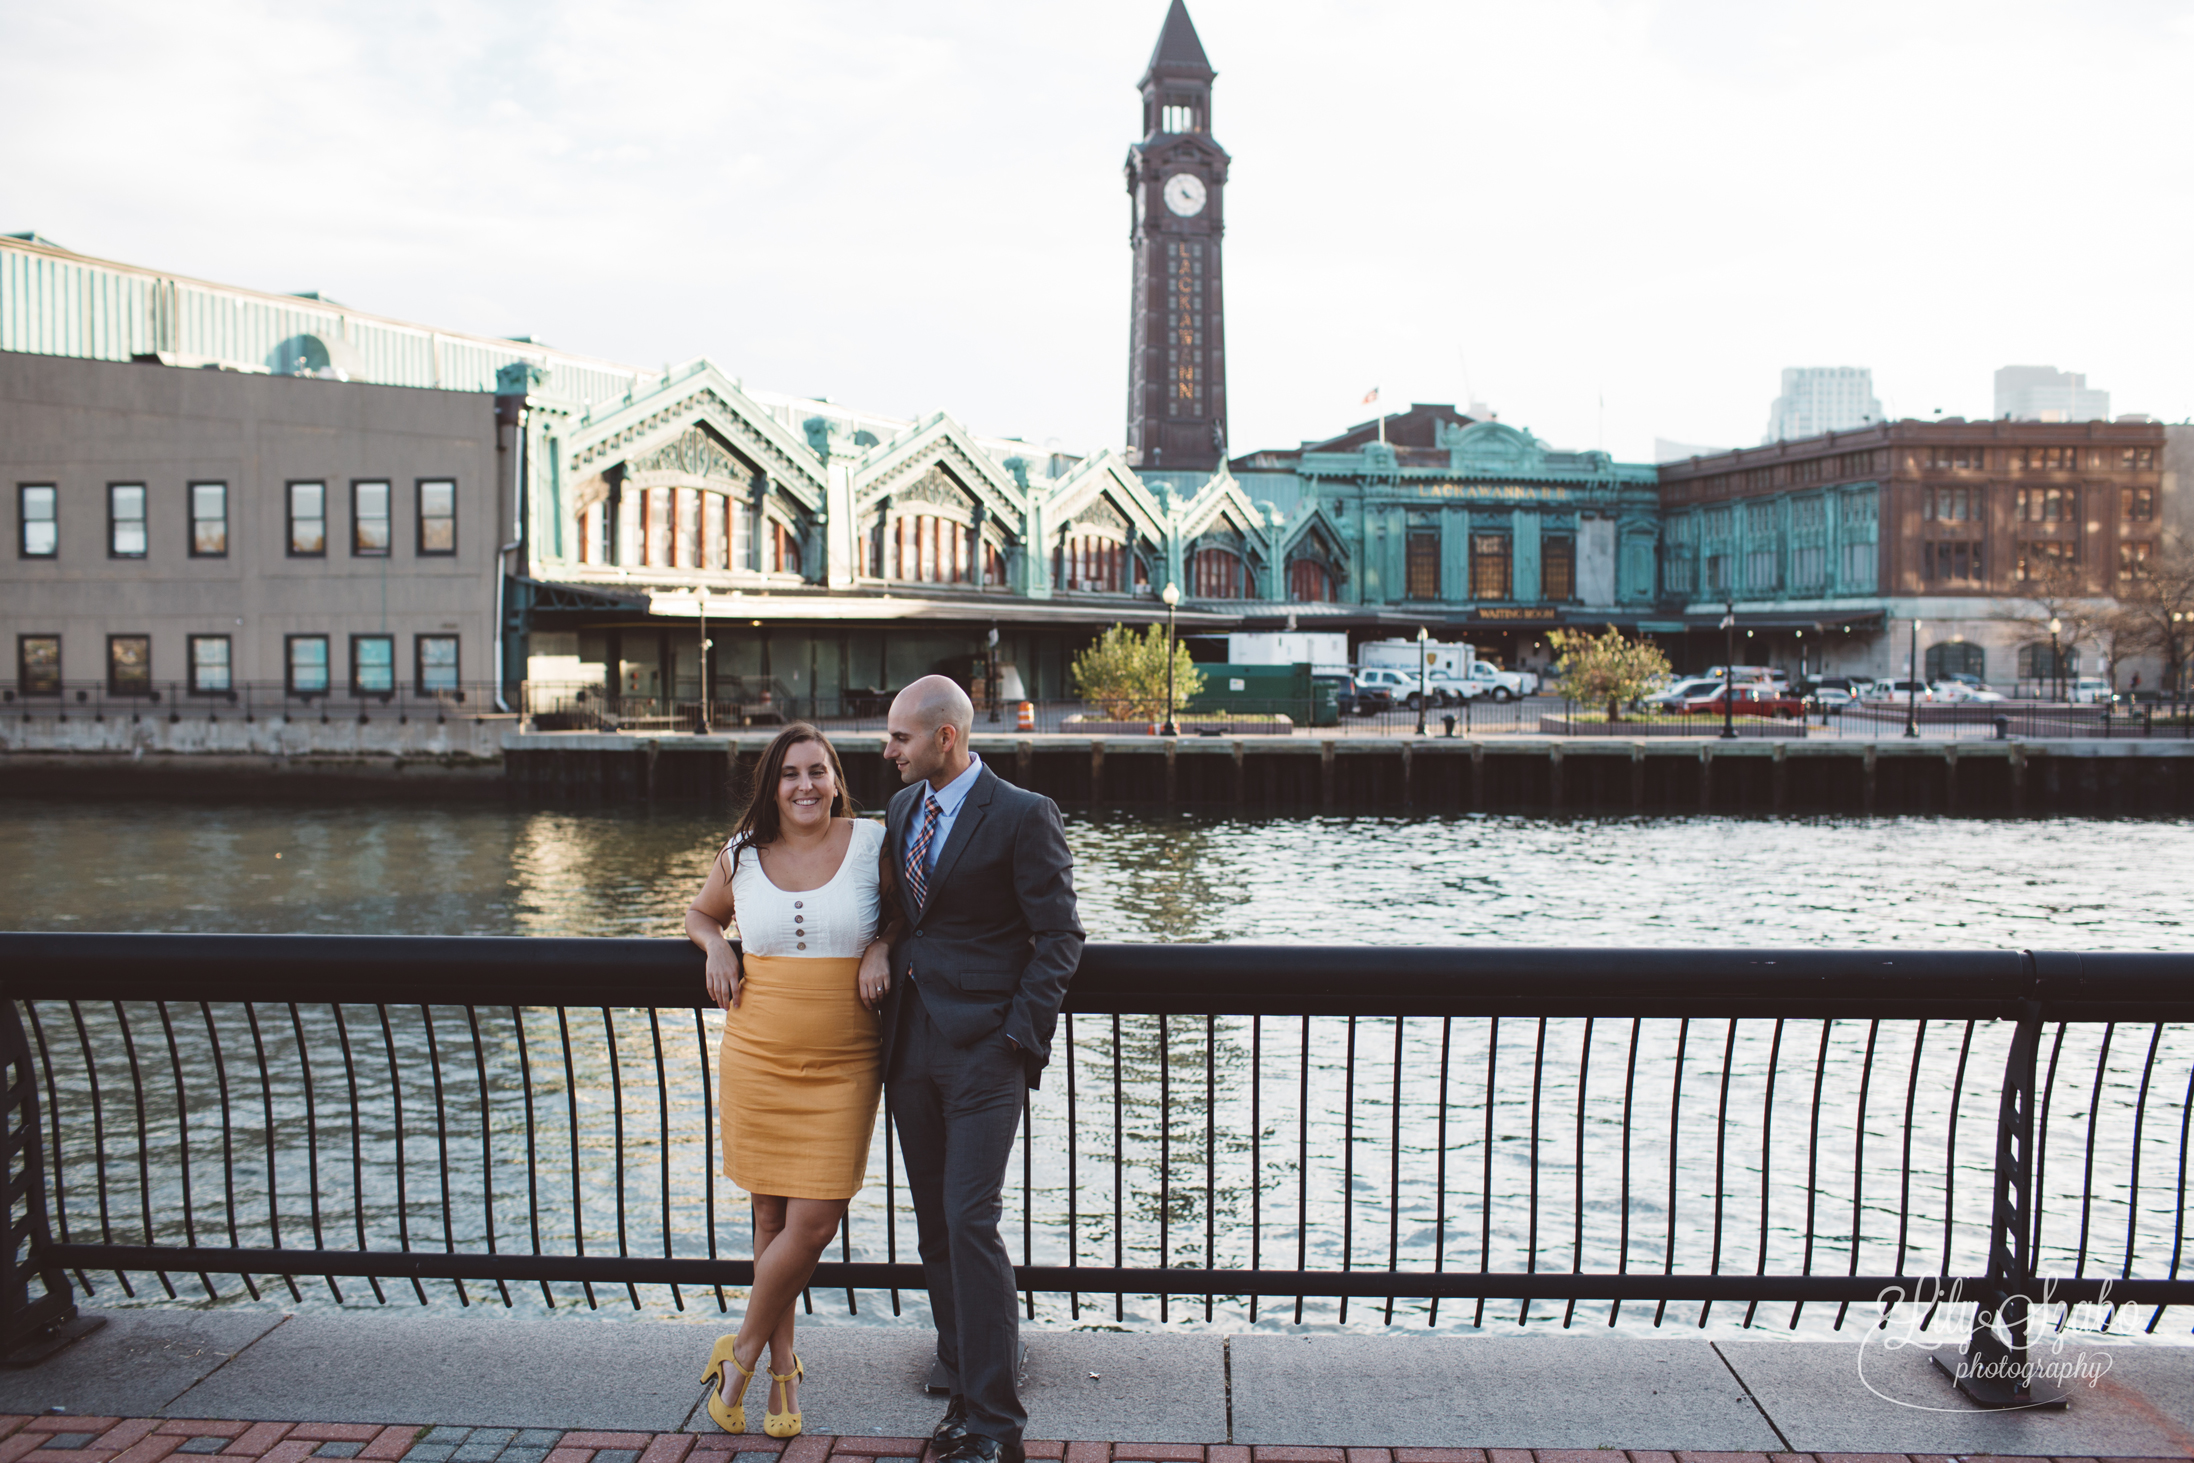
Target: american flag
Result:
[1371, 396]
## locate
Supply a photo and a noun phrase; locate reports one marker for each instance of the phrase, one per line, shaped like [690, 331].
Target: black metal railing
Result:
[1222, 1125]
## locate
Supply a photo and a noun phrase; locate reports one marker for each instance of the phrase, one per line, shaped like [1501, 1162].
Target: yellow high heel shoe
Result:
[783, 1424]
[732, 1419]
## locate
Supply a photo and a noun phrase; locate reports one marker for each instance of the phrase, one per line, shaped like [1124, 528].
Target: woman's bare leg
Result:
[789, 1237]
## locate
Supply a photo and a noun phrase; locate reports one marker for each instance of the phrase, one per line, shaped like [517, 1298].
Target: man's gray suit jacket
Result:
[997, 940]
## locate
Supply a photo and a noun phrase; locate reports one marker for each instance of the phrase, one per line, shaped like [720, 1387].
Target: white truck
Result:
[1454, 666]
[1324, 651]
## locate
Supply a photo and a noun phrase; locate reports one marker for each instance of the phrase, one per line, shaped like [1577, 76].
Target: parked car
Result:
[1960, 691]
[1743, 673]
[1898, 692]
[2090, 691]
[1831, 698]
[1368, 691]
[1502, 685]
[1449, 690]
[1678, 693]
[1755, 698]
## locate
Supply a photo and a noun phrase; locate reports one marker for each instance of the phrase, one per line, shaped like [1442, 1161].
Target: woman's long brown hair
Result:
[761, 824]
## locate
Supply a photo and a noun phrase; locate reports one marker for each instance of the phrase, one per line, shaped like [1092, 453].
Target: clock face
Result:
[1185, 194]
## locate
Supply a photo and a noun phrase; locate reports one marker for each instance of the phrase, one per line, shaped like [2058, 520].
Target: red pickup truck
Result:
[1758, 698]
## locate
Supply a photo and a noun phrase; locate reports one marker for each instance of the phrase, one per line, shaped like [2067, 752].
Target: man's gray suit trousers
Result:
[957, 1110]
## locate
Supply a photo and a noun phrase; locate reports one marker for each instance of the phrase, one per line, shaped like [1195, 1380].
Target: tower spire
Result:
[1179, 54]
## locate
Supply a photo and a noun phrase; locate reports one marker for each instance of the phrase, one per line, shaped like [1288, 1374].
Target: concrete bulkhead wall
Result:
[85, 425]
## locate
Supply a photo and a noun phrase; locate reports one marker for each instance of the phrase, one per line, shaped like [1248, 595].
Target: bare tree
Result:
[2057, 595]
[2157, 607]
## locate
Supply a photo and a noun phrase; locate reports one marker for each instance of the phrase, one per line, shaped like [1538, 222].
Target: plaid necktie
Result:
[918, 853]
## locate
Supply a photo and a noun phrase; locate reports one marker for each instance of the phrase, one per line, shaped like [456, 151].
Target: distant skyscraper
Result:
[1819, 399]
[2046, 394]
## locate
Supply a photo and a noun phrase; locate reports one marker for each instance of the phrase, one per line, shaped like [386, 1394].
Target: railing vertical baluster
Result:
[1767, 1151]
[1485, 1187]
[396, 1099]
[99, 1148]
[1302, 1166]
[1904, 1181]
[662, 1134]
[357, 1149]
[2041, 1147]
[2178, 1222]
[441, 1143]
[617, 1140]
[1348, 1162]
[1394, 1172]
[1165, 1157]
[1531, 1226]
[709, 1160]
[1119, 1169]
[533, 1163]
[312, 1128]
[144, 1141]
[1074, 1145]
[1256, 1151]
[1577, 1239]
[26, 1320]
[1439, 1175]
[1950, 1172]
[571, 1104]
[1721, 1150]
[1028, 1193]
[1812, 1162]
[1675, 1115]
[2087, 1168]
[1211, 1150]
[266, 1093]
[1622, 1238]
[2133, 1186]
[487, 1147]
[1858, 1160]
[53, 1116]
[182, 1146]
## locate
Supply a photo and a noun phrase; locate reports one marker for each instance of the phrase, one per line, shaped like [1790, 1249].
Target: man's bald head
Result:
[926, 733]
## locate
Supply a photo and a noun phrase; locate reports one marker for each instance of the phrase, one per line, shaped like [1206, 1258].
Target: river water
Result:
[1464, 1144]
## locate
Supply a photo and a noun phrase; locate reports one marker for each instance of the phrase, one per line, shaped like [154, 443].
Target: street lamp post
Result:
[1912, 684]
[2056, 657]
[1172, 597]
[1729, 674]
[990, 663]
[700, 724]
[1424, 676]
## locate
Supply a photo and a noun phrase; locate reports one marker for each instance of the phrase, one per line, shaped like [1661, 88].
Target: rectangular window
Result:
[435, 663]
[2048, 505]
[125, 520]
[1424, 564]
[2133, 557]
[1558, 570]
[129, 665]
[1679, 571]
[1950, 505]
[306, 668]
[2137, 505]
[38, 665]
[2041, 559]
[715, 537]
[1859, 563]
[209, 520]
[39, 535]
[372, 665]
[308, 520]
[2136, 459]
[438, 516]
[369, 520]
[688, 545]
[1489, 567]
[1760, 570]
[1717, 574]
[1954, 562]
[655, 526]
[209, 664]
[1808, 567]
[1956, 459]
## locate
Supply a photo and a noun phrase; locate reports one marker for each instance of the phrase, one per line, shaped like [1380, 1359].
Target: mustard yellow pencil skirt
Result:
[800, 1078]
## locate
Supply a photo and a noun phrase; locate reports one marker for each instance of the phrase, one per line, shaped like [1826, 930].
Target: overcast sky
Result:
[1609, 221]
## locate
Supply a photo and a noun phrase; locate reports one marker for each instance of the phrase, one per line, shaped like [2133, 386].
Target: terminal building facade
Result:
[217, 488]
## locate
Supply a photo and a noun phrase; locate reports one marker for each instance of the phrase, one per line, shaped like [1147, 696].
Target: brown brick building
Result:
[1958, 524]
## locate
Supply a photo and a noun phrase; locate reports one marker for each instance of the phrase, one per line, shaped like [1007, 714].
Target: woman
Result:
[799, 1066]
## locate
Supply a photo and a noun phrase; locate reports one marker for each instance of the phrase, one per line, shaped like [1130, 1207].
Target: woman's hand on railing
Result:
[725, 975]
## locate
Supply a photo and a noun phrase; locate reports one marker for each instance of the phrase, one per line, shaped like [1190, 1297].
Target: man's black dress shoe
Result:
[952, 1427]
[975, 1448]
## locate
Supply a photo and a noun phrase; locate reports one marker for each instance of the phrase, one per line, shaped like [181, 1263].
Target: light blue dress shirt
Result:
[949, 798]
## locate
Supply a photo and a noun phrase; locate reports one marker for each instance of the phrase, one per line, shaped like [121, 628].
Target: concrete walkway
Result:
[491, 1388]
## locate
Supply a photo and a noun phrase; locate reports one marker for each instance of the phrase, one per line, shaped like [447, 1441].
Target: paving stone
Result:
[69, 1441]
[205, 1443]
[617, 1455]
[807, 1448]
[570, 1455]
[67, 1455]
[204, 1427]
[517, 1454]
[669, 1448]
[1477, 1455]
[470, 1452]
[1226, 1453]
[1052, 1449]
[69, 1421]
[338, 1449]
[289, 1450]
[537, 1437]
[634, 1441]
[451, 1435]
[152, 1448]
[391, 1442]
[1157, 1453]
[1088, 1452]
[877, 1447]
[430, 1453]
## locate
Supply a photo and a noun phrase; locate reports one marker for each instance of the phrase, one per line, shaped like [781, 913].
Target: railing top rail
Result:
[1234, 979]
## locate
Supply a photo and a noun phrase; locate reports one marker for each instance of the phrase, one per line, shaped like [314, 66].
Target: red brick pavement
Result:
[152, 1440]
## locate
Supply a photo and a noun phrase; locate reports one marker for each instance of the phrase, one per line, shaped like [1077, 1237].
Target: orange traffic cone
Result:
[1025, 718]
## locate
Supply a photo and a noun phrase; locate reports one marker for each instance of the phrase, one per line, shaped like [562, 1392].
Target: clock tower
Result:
[1176, 182]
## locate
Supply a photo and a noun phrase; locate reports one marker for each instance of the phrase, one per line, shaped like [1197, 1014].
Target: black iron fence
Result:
[1223, 1126]
[252, 701]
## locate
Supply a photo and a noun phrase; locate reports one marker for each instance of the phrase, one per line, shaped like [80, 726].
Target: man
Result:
[974, 991]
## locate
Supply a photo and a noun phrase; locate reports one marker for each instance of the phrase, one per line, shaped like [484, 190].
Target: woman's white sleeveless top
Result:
[836, 921]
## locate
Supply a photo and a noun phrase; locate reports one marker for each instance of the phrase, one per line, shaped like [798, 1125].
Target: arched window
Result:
[1090, 563]
[927, 549]
[1958, 658]
[1216, 574]
[1309, 582]
[994, 565]
[784, 551]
